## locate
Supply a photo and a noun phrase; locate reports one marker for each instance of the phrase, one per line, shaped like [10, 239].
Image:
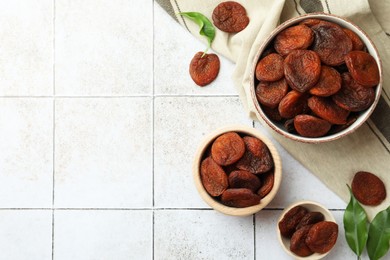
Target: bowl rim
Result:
[214, 203]
[328, 217]
[259, 112]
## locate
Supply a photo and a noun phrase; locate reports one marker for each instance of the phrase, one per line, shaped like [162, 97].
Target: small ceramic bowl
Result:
[311, 206]
[363, 116]
[199, 156]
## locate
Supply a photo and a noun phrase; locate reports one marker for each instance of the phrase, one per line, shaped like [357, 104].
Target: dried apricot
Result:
[331, 43]
[270, 68]
[292, 104]
[271, 93]
[310, 219]
[228, 148]
[350, 120]
[230, 17]
[322, 236]
[328, 84]
[357, 44]
[353, 96]
[268, 183]
[289, 125]
[272, 113]
[368, 188]
[239, 198]
[311, 22]
[204, 70]
[298, 245]
[290, 220]
[311, 126]
[257, 158]
[363, 68]
[244, 179]
[328, 110]
[213, 177]
[302, 69]
[297, 37]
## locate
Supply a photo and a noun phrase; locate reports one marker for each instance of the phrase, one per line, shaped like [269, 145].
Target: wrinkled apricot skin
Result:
[213, 177]
[298, 245]
[331, 43]
[230, 17]
[328, 84]
[239, 198]
[353, 96]
[291, 219]
[322, 236]
[302, 69]
[368, 188]
[204, 70]
[268, 184]
[310, 126]
[244, 179]
[292, 104]
[270, 68]
[272, 113]
[363, 68]
[310, 219]
[357, 44]
[297, 37]
[257, 157]
[328, 110]
[271, 93]
[228, 148]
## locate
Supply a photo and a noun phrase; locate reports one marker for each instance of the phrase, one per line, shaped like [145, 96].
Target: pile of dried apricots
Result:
[315, 78]
[237, 170]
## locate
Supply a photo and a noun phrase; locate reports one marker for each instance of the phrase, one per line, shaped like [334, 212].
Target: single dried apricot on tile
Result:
[239, 198]
[311, 126]
[230, 17]
[363, 68]
[214, 179]
[331, 43]
[272, 113]
[267, 183]
[204, 70]
[328, 84]
[297, 37]
[292, 104]
[302, 69]
[228, 148]
[353, 96]
[328, 110]
[257, 157]
[322, 236]
[368, 188]
[310, 219]
[244, 179]
[298, 245]
[357, 44]
[271, 93]
[290, 220]
[270, 68]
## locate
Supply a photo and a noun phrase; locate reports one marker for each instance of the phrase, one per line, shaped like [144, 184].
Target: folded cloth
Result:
[336, 162]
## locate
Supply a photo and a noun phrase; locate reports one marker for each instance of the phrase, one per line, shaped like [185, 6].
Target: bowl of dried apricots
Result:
[316, 78]
[237, 170]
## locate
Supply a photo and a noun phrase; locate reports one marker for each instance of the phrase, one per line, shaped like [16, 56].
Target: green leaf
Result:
[206, 27]
[355, 225]
[379, 235]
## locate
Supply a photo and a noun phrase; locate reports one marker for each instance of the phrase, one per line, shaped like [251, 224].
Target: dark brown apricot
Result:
[289, 125]
[239, 198]
[267, 183]
[272, 113]
[328, 84]
[328, 110]
[297, 37]
[213, 177]
[271, 93]
[310, 219]
[298, 245]
[292, 104]
[338, 128]
[368, 188]
[230, 17]
[244, 179]
[357, 44]
[270, 68]
[322, 236]
[204, 70]
[290, 220]
[363, 68]
[302, 69]
[228, 148]
[311, 126]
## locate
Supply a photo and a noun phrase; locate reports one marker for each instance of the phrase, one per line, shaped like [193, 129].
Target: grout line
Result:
[254, 236]
[153, 125]
[128, 96]
[140, 209]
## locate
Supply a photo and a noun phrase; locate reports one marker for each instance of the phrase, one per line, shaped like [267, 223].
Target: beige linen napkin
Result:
[335, 163]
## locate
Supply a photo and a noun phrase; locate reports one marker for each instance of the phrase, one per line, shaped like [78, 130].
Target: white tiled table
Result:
[99, 122]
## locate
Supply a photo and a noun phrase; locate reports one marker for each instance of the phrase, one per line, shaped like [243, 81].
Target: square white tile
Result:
[26, 57]
[26, 161]
[103, 152]
[180, 125]
[202, 234]
[102, 234]
[103, 47]
[174, 48]
[25, 234]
